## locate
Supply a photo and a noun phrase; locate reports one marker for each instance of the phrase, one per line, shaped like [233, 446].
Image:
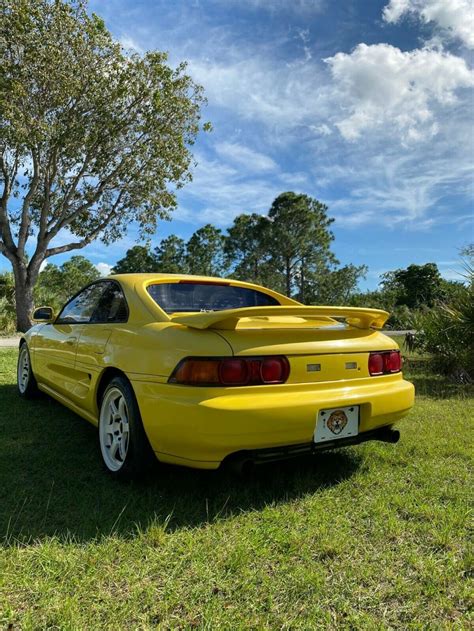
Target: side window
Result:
[112, 306]
[81, 308]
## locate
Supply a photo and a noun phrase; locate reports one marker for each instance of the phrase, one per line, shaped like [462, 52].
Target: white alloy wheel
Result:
[114, 430]
[24, 369]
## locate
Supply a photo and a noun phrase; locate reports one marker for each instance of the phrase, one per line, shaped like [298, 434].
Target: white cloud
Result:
[222, 192]
[245, 157]
[379, 86]
[104, 269]
[453, 17]
[262, 89]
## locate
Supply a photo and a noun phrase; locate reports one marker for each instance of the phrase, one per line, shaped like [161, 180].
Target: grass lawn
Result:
[370, 537]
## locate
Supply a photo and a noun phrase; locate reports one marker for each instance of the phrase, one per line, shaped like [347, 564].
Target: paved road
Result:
[9, 342]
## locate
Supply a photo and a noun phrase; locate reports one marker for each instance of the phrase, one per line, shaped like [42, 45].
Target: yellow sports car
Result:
[198, 371]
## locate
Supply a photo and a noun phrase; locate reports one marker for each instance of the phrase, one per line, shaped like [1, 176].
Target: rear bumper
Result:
[200, 427]
[240, 459]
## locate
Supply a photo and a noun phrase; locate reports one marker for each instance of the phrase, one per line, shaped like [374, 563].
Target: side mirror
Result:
[43, 314]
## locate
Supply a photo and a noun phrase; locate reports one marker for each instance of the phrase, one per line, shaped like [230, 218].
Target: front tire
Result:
[26, 382]
[124, 446]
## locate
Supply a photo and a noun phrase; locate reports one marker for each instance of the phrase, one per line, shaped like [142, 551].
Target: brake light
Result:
[232, 371]
[392, 361]
[376, 364]
[384, 363]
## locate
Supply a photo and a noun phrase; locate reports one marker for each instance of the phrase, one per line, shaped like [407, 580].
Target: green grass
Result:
[370, 537]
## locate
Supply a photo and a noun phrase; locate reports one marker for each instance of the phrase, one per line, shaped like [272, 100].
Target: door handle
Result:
[71, 341]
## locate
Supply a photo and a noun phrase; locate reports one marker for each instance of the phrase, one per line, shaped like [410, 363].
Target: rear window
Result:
[189, 296]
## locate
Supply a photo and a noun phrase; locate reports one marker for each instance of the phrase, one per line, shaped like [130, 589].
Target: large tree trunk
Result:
[24, 283]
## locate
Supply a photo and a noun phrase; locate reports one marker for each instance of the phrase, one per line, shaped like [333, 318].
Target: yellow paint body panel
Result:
[200, 426]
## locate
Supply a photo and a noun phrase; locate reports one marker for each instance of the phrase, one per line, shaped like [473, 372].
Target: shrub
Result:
[447, 331]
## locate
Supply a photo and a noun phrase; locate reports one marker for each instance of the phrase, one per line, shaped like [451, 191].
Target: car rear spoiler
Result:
[228, 319]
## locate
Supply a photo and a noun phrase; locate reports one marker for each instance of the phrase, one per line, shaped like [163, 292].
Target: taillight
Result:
[376, 364]
[384, 363]
[392, 362]
[231, 371]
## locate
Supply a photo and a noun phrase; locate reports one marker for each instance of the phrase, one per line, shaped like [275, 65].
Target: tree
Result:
[247, 249]
[137, 260]
[415, 286]
[300, 240]
[91, 138]
[170, 256]
[205, 252]
[57, 284]
[334, 286]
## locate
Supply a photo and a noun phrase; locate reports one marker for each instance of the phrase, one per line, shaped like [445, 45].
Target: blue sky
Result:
[366, 105]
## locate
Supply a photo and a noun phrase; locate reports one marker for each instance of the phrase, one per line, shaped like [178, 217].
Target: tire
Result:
[124, 446]
[26, 382]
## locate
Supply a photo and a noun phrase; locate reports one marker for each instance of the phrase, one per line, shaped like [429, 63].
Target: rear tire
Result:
[124, 446]
[26, 382]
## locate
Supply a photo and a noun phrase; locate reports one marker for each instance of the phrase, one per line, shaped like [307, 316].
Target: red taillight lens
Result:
[376, 364]
[384, 363]
[232, 371]
[392, 361]
[274, 370]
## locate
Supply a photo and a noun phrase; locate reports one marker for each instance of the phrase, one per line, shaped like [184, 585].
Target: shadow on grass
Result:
[52, 481]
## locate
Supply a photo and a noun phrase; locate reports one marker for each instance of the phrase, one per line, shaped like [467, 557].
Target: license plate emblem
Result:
[336, 423]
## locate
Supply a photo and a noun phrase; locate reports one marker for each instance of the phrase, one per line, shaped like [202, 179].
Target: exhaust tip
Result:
[242, 467]
[389, 436]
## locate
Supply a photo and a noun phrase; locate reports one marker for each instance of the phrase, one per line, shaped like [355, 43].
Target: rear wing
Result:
[228, 319]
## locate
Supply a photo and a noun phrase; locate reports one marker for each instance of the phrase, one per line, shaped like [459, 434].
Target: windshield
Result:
[195, 296]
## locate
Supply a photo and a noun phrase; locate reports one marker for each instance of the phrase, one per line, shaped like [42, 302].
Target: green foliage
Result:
[299, 240]
[57, 284]
[137, 259]
[7, 304]
[205, 252]
[248, 250]
[91, 138]
[170, 256]
[289, 251]
[447, 331]
[415, 286]
[334, 286]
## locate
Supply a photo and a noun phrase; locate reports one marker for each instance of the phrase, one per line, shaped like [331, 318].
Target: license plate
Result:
[336, 423]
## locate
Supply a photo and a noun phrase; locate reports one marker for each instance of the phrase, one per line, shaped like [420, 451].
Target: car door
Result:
[111, 312]
[56, 344]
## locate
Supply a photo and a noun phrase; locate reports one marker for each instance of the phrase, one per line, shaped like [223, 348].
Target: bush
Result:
[7, 317]
[446, 331]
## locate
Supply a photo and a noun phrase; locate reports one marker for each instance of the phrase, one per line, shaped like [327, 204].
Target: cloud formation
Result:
[380, 86]
[454, 18]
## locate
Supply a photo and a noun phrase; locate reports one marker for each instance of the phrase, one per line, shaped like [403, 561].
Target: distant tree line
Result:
[288, 250]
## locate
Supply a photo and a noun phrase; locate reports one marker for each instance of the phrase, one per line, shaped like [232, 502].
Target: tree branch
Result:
[25, 217]
[5, 229]
[90, 237]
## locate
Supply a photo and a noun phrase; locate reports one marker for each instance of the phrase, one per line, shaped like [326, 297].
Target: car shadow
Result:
[52, 483]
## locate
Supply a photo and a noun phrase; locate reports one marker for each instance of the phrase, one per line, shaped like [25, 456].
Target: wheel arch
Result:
[105, 378]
